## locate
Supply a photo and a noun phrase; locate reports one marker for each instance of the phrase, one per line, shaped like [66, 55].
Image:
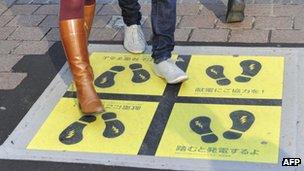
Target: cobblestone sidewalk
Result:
[30, 26]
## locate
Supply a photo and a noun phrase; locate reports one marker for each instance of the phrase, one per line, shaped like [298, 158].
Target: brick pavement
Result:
[30, 26]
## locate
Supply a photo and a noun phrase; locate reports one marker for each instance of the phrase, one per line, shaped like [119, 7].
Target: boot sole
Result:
[91, 113]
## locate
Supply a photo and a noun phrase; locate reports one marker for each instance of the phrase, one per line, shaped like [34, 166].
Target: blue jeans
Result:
[163, 19]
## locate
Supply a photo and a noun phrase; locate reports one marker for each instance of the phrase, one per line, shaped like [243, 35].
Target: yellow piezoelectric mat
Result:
[119, 131]
[125, 73]
[222, 132]
[222, 76]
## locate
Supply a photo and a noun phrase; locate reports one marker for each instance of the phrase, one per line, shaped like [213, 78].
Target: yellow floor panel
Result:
[234, 77]
[205, 131]
[65, 131]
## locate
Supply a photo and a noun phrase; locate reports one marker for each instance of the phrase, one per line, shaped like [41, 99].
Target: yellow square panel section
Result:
[119, 131]
[222, 132]
[125, 73]
[259, 77]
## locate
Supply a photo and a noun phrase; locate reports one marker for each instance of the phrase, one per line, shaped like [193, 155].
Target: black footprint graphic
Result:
[201, 126]
[106, 79]
[250, 69]
[242, 121]
[217, 72]
[114, 127]
[73, 133]
[140, 75]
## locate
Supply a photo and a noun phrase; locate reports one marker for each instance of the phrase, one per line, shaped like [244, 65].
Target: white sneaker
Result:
[134, 40]
[170, 71]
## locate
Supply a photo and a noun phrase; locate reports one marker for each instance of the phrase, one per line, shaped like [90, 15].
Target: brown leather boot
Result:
[89, 12]
[74, 40]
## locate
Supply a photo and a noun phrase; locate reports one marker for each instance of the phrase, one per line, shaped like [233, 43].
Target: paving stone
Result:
[48, 9]
[50, 21]
[100, 34]
[110, 10]
[101, 21]
[8, 61]
[287, 36]
[8, 46]
[272, 23]
[116, 22]
[188, 9]
[273, 1]
[213, 10]
[6, 31]
[288, 10]
[259, 10]
[52, 35]
[21, 9]
[249, 36]
[297, 2]
[246, 24]
[26, 20]
[4, 19]
[9, 81]
[198, 21]
[209, 35]
[29, 33]
[33, 47]
[182, 34]
[2, 8]
[299, 23]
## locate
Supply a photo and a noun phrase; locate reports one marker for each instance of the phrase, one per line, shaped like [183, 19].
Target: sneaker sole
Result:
[176, 81]
[135, 52]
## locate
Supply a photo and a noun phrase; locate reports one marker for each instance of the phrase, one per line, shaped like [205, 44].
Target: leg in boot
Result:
[74, 40]
[235, 11]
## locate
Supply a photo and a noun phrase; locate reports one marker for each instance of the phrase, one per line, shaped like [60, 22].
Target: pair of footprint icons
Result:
[107, 79]
[73, 134]
[242, 121]
[250, 69]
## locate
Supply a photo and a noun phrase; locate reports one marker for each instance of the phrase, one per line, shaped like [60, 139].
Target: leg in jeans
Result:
[130, 11]
[134, 39]
[163, 19]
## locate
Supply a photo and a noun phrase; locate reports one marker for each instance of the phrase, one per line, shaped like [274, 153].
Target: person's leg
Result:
[134, 39]
[130, 11]
[74, 41]
[163, 19]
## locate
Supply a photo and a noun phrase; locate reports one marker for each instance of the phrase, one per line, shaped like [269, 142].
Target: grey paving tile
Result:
[9, 81]
[26, 20]
[8, 61]
[33, 47]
